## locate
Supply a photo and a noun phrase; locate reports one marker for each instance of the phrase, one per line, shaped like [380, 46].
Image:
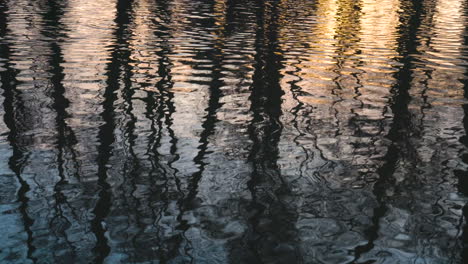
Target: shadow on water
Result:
[13, 112]
[106, 131]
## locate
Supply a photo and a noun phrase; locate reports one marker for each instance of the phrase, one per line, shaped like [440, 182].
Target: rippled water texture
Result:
[234, 131]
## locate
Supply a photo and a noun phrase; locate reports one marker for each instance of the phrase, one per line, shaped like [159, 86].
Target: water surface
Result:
[233, 131]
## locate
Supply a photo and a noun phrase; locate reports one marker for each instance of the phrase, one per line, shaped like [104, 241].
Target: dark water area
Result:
[234, 131]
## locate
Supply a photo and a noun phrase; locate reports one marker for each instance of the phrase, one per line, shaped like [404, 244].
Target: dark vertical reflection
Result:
[209, 119]
[271, 236]
[136, 171]
[13, 113]
[66, 139]
[166, 247]
[106, 131]
[160, 111]
[132, 166]
[401, 127]
[215, 56]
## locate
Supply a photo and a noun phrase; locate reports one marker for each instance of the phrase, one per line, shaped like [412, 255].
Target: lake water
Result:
[234, 131]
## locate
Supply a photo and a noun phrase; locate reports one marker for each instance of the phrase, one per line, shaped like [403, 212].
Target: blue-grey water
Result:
[234, 131]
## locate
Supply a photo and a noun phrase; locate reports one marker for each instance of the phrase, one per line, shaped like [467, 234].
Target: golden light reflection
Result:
[346, 76]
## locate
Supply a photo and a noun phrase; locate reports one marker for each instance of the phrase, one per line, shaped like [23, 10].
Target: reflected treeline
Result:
[221, 131]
